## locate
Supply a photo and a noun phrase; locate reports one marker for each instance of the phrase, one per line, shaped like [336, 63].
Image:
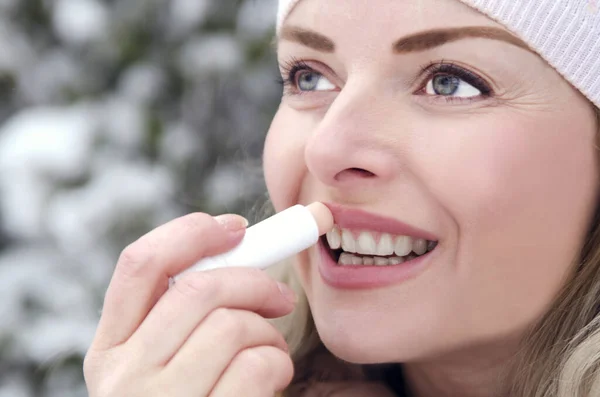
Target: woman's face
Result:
[474, 142]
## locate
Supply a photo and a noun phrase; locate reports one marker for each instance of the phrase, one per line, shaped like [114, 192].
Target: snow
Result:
[38, 146]
[115, 117]
[15, 387]
[123, 123]
[254, 19]
[214, 53]
[79, 22]
[143, 83]
[119, 193]
[186, 15]
[48, 141]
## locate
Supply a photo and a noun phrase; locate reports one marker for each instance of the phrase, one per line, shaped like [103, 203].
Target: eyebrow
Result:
[413, 43]
[306, 37]
[434, 38]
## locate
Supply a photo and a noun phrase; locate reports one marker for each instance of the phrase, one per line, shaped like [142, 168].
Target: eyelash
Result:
[292, 67]
[442, 67]
[290, 71]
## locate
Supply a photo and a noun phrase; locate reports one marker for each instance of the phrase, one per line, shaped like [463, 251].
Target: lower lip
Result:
[368, 277]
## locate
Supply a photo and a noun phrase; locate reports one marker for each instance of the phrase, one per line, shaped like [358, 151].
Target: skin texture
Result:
[508, 183]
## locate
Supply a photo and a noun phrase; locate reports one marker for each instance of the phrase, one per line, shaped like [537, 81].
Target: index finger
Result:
[195, 296]
[142, 273]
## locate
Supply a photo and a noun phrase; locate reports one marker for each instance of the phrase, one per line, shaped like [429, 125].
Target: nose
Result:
[352, 146]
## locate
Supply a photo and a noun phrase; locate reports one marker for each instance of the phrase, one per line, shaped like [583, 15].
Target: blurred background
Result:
[115, 116]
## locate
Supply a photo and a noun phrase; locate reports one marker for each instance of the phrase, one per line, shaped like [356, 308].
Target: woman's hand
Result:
[204, 337]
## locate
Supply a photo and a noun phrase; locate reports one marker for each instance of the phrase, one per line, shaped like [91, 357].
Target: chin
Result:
[361, 346]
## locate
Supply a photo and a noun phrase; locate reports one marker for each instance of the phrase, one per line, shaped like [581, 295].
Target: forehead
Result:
[373, 22]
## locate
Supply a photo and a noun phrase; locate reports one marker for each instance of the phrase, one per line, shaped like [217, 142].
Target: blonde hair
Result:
[559, 357]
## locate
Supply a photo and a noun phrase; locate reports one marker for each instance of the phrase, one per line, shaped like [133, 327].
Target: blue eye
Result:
[449, 85]
[451, 81]
[312, 81]
[299, 78]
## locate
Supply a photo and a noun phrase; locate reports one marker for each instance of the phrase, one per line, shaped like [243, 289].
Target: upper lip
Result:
[356, 219]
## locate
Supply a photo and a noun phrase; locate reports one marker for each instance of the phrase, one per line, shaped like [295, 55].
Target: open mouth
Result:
[367, 248]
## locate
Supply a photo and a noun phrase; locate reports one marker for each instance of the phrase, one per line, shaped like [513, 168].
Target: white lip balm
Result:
[284, 234]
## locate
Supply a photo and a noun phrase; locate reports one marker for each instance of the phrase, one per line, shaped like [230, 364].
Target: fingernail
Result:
[287, 292]
[232, 222]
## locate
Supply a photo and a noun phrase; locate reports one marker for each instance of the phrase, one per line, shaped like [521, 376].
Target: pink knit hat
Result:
[566, 33]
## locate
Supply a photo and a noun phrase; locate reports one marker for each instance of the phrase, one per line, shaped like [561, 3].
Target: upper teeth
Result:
[366, 243]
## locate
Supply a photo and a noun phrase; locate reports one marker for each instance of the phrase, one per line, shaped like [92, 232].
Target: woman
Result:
[460, 131]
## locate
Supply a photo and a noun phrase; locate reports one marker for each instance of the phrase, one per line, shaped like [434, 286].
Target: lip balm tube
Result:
[283, 235]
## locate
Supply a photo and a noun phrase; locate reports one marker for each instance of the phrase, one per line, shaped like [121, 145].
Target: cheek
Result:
[283, 160]
[521, 192]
